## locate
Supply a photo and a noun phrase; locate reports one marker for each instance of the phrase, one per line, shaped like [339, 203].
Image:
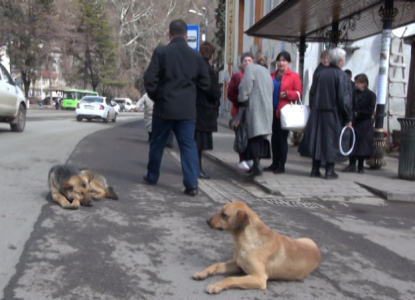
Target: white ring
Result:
[340, 141]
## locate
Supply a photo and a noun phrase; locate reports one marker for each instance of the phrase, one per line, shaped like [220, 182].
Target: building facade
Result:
[362, 56]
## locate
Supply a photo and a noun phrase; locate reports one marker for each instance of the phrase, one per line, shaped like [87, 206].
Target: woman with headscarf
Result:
[255, 96]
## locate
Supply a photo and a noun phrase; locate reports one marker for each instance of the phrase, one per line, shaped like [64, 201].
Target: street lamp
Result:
[204, 15]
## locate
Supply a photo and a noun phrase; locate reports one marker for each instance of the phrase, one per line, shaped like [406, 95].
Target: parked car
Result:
[95, 107]
[125, 104]
[12, 102]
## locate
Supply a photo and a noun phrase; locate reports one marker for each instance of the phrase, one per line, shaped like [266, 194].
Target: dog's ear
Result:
[242, 220]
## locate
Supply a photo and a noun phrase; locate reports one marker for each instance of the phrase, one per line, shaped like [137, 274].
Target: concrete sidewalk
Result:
[295, 182]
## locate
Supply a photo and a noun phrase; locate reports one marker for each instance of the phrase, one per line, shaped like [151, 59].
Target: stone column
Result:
[388, 12]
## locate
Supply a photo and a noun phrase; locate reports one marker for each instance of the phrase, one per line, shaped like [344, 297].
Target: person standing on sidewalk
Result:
[172, 79]
[330, 104]
[246, 58]
[287, 87]
[324, 62]
[255, 95]
[146, 105]
[207, 107]
[364, 103]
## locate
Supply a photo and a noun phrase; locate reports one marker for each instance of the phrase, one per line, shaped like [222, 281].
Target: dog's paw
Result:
[199, 276]
[214, 289]
[96, 198]
[71, 206]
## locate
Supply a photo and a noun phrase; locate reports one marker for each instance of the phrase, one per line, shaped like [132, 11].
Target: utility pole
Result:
[206, 16]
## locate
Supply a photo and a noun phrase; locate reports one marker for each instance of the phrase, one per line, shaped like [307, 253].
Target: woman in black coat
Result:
[207, 107]
[364, 102]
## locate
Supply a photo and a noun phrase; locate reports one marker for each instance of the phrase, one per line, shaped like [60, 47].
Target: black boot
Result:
[360, 168]
[351, 168]
[315, 171]
[271, 168]
[202, 174]
[280, 169]
[330, 174]
[256, 169]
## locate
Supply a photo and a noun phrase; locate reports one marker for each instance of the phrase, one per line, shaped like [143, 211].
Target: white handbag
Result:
[294, 117]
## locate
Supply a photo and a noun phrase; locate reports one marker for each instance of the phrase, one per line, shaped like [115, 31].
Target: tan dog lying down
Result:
[258, 251]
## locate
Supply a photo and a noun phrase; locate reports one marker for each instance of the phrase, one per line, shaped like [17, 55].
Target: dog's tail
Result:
[110, 193]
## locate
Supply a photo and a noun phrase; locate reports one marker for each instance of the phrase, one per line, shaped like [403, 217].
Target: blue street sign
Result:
[193, 36]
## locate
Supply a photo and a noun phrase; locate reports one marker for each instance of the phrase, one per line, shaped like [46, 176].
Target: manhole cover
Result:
[297, 202]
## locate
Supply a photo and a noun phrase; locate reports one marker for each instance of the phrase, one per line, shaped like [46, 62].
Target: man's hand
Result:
[349, 125]
[283, 94]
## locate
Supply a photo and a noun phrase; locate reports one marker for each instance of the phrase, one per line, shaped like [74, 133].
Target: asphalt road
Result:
[148, 244]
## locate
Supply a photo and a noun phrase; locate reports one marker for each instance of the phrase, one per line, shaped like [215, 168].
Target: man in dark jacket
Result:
[330, 104]
[173, 76]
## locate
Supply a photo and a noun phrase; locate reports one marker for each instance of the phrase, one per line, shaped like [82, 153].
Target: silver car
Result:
[95, 107]
[12, 102]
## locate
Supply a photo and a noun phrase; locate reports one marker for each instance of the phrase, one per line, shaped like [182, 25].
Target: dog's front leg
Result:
[229, 267]
[245, 282]
[62, 201]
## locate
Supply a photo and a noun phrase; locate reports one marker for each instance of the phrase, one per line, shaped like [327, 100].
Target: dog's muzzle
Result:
[210, 225]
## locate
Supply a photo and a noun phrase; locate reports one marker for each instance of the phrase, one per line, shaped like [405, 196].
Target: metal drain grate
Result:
[298, 202]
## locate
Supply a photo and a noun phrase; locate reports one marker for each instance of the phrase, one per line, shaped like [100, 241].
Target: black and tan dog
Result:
[68, 188]
[99, 188]
[258, 252]
[71, 188]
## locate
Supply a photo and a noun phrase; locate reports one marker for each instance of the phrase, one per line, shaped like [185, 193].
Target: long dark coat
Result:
[207, 103]
[330, 104]
[364, 103]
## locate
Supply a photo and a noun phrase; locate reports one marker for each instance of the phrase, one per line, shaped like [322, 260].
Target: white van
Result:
[126, 104]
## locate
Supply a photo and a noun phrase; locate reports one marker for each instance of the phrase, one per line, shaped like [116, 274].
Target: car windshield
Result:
[93, 100]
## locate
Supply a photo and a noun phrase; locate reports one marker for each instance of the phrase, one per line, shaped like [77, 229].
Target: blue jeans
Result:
[184, 130]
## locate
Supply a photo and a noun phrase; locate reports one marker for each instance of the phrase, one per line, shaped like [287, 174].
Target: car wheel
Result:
[89, 119]
[21, 120]
[115, 118]
[79, 118]
[106, 120]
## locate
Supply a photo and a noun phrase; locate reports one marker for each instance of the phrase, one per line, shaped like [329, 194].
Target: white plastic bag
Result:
[294, 117]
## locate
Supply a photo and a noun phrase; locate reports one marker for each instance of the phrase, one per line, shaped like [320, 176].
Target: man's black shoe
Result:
[191, 191]
[146, 180]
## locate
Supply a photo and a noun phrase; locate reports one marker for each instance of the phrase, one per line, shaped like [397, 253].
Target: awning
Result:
[313, 19]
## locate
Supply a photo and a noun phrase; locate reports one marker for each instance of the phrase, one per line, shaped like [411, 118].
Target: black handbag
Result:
[241, 134]
[236, 120]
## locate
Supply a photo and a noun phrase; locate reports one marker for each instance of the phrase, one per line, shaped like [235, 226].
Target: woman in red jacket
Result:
[246, 58]
[286, 86]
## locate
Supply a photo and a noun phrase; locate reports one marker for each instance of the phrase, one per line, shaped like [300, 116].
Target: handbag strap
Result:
[299, 97]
